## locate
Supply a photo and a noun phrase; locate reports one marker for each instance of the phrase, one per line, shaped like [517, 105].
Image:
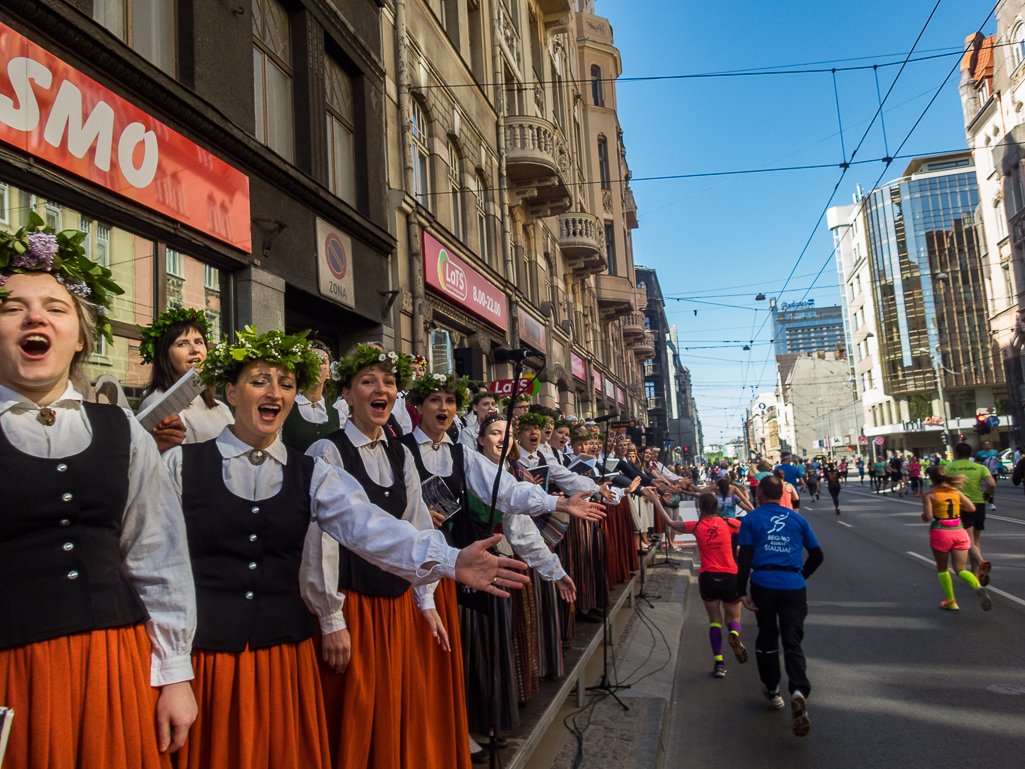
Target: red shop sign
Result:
[620, 396]
[504, 387]
[596, 379]
[577, 364]
[54, 112]
[462, 285]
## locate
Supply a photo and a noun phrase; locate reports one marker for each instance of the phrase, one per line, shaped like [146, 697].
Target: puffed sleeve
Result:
[417, 514]
[528, 544]
[341, 508]
[318, 580]
[155, 559]
[514, 497]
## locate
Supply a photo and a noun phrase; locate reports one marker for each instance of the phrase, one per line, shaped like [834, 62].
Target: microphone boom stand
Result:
[605, 685]
[668, 533]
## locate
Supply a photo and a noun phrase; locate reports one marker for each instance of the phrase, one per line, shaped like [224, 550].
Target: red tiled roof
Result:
[978, 58]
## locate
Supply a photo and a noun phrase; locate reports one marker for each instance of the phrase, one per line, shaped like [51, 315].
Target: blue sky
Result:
[724, 239]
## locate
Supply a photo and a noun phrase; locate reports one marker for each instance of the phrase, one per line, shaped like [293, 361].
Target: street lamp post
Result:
[937, 365]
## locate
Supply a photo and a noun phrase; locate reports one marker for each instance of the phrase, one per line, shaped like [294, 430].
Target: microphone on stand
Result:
[605, 418]
[516, 355]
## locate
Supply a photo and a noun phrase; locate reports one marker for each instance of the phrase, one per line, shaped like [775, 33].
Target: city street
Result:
[897, 682]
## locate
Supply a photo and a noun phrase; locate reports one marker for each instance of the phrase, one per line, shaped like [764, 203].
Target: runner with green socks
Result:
[942, 506]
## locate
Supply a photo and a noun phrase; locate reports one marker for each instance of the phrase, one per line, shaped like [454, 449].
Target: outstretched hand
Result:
[579, 506]
[479, 569]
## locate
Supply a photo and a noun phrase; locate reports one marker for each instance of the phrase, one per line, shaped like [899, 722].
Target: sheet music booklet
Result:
[173, 401]
[438, 497]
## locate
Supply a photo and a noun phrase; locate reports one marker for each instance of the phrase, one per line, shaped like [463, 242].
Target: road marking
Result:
[1002, 518]
[991, 589]
[845, 524]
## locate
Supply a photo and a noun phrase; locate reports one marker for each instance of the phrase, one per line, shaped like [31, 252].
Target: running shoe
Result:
[984, 569]
[775, 701]
[838, 511]
[992, 507]
[719, 671]
[950, 606]
[799, 709]
[984, 600]
[739, 650]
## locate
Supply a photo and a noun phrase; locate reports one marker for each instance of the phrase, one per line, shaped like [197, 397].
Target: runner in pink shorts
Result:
[941, 508]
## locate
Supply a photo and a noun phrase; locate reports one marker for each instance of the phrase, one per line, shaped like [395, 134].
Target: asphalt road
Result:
[897, 682]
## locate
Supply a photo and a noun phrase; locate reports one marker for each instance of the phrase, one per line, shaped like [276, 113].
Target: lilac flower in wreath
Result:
[43, 246]
[3, 281]
[74, 285]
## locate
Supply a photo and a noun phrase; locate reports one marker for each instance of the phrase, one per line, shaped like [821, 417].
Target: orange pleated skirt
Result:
[258, 709]
[450, 729]
[82, 701]
[384, 712]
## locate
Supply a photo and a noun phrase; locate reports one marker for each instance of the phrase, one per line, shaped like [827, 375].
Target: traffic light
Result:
[980, 424]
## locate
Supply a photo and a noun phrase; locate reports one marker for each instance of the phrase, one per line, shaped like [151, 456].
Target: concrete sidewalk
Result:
[644, 658]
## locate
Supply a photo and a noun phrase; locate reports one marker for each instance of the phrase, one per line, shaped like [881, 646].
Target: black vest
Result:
[299, 434]
[355, 572]
[246, 555]
[60, 532]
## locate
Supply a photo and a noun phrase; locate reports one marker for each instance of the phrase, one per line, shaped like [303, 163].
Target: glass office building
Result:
[927, 278]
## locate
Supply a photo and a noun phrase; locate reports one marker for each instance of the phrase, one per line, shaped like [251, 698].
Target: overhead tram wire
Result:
[845, 166]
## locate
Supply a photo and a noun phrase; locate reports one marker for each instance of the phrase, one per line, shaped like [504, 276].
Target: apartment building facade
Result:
[992, 94]
[510, 203]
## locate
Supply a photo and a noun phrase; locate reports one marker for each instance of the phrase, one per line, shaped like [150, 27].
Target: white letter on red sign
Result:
[26, 116]
[133, 134]
[99, 127]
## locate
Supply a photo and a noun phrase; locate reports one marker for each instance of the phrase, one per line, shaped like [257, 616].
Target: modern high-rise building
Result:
[917, 301]
[801, 327]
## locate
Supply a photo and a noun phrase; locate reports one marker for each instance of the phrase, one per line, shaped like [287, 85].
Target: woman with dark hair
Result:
[97, 608]
[174, 343]
[833, 484]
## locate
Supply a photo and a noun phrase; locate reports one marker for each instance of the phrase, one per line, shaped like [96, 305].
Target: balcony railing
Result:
[633, 325]
[582, 241]
[538, 164]
[654, 403]
[644, 347]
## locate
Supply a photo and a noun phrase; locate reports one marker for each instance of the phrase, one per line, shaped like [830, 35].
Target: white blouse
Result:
[339, 506]
[568, 482]
[153, 541]
[513, 496]
[201, 423]
[316, 413]
[319, 572]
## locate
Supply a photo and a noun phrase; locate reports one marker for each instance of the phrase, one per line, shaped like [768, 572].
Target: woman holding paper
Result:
[175, 343]
[248, 501]
[97, 608]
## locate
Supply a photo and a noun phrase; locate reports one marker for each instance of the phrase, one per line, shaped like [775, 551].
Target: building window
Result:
[103, 245]
[53, 215]
[442, 352]
[482, 221]
[211, 278]
[603, 164]
[147, 26]
[455, 175]
[1015, 196]
[597, 87]
[985, 91]
[1017, 46]
[272, 76]
[86, 227]
[5, 204]
[421, 156]
[175, 263]
[610, 247]
[340, 122]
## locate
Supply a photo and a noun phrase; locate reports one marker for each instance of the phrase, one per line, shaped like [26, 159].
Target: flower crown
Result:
[478, 397]
[532, 420]
[365, 356]
[521, 398]
[292, 352]
[430, 382]
[38, 248]
[563, 423]
[152, 334]
[579, 437]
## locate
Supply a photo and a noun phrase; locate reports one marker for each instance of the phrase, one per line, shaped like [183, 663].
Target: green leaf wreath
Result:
[152, 333]
[432, 383]
[344, 369]
[290, 351]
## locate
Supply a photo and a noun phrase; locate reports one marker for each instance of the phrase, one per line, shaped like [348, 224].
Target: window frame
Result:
[268, 56]
[127, 30]
[421, 133]
[1017, 47]
[336, 121]
[455, 182]
[483, 230]
[604, 165]
[597, 86]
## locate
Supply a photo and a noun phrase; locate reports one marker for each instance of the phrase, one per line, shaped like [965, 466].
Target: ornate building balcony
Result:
[537, 165]
[633, 325]
[616, 296]
[582, 242]
[644, 347]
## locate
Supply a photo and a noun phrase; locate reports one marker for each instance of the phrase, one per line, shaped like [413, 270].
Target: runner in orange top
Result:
[717, 577]
[941, 507]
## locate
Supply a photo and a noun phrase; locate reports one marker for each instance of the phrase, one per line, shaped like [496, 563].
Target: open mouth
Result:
[269, 412]
[379, 406]
[194, 361]
[442, 418]
[35, 346]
